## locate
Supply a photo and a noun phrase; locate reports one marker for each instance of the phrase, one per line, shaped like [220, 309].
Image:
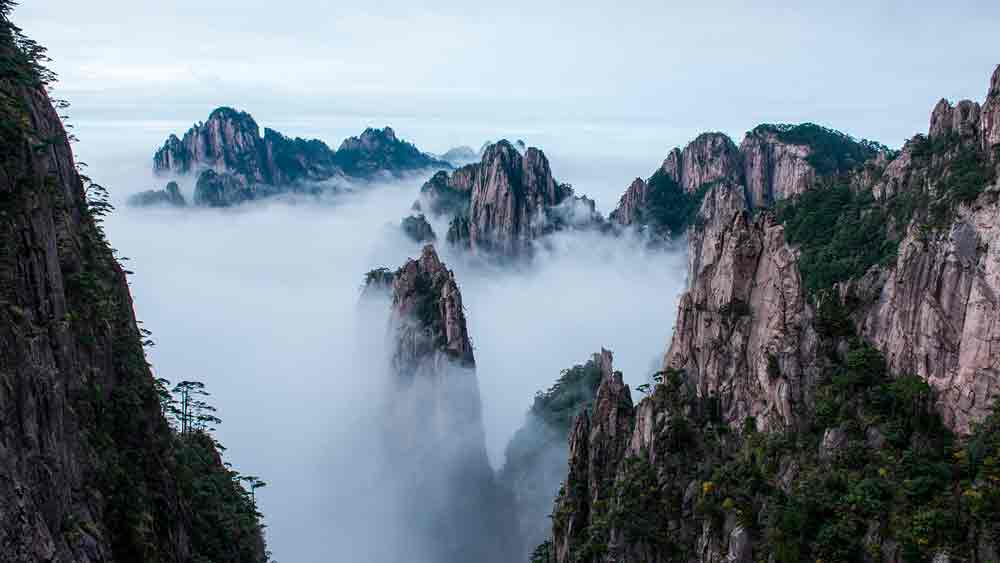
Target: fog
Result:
[261, 303]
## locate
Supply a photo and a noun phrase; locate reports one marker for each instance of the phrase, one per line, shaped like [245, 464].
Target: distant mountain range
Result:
[235, 163]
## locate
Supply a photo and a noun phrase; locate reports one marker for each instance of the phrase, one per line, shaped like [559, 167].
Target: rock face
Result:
[229, 143]
[87, 468]
[932, 312]
[745, 297]
[773, 162]
[990, 123]
[596, 447]
[509, 198]
[935, 311]
[434, 429]
[169, 196]
[710, 157]
[631, 203]
[769, 357]
[504, 202]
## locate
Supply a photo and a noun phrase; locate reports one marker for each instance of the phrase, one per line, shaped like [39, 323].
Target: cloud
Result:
[261, 303]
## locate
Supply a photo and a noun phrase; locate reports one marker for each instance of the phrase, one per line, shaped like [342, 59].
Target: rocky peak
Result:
[961, 120]
[630, 203]
[371, 139]
[610, 424]
[774, 169]
[428, 305]
[708, 158]
[510, 194]
[433, 423]
[597, 444]
[990, 119]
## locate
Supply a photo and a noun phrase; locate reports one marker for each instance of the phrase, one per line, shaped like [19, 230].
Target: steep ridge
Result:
[454, 508]
[90, 470]
[773, 162]
[503, 203]
[236, 164]
[829, 392]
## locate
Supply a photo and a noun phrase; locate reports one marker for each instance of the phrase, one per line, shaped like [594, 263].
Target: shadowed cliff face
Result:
[434, 445]
[87, 461]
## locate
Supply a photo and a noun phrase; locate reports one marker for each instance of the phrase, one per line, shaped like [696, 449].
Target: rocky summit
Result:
[502, 204]
[434, 423]
[229, 144]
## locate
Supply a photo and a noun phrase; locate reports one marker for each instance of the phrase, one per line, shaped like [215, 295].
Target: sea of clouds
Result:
[260, 303]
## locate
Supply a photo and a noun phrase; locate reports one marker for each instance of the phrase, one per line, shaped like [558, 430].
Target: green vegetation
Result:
[832, 152]
[843, 231]
[840, 232]
[957, 171]
[574, 391]
[898, 470]
[668, 209]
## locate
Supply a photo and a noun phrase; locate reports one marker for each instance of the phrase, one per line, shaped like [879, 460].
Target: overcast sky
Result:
[873, 69]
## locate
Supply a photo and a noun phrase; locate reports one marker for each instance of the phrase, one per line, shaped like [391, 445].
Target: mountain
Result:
[90, 469]
[433, 430]
[379, 152]
[773, 162]
[829, 391]
[237, 164]
[503, 203]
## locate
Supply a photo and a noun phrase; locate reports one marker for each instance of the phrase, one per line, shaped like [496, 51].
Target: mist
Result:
[261, 303]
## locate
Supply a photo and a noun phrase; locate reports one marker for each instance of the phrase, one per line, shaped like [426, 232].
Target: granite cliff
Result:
[90, 469]
[502, 204]
[829, 391]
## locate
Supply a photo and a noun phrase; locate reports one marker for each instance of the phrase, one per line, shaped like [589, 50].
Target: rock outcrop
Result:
[710, 157]
[433, 430]
[990, 120]
[631, 204]
[743, 331]
[88, 471]
[169, 196]
[230, 144]
[503, 203]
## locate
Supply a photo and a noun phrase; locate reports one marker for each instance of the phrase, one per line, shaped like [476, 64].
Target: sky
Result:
[665, 70]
